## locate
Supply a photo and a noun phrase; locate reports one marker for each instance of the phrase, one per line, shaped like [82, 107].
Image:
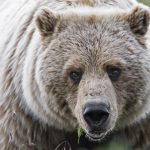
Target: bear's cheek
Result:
[132, 97]
[72, 99]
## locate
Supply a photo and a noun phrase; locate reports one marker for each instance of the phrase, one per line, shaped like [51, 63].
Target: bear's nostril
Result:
[96, 115]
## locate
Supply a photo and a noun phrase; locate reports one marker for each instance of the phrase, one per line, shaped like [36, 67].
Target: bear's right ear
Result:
[46, 21]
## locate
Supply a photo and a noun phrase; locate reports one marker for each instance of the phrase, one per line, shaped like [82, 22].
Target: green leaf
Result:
[80, 132]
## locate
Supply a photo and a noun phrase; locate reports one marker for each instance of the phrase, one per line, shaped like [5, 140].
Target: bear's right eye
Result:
[76, 76]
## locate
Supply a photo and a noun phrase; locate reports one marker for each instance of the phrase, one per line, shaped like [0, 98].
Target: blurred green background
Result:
[118, 144]
[147, 2]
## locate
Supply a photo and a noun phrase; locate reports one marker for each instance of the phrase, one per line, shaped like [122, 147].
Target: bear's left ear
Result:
[139, 20]
[46, 21]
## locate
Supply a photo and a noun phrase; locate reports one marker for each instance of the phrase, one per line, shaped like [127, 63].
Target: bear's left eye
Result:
[76, 76]
[113, 73]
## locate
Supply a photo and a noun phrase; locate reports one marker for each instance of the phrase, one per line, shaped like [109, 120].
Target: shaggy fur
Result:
[39, 47]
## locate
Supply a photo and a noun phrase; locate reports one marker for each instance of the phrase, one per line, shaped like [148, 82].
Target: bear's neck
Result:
[19, 131]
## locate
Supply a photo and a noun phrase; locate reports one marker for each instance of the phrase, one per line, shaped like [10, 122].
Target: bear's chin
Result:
[95, 137]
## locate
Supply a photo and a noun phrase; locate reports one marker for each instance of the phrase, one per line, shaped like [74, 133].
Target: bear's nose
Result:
[96, 115]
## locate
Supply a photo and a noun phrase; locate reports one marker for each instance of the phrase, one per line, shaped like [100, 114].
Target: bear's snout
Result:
[96, 116]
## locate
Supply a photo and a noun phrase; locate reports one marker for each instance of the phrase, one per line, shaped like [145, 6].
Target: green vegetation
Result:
[80, 132]
[147, 2]
[116, 144]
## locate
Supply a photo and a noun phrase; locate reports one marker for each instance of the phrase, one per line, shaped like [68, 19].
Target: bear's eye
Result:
[76, 76]
[113, 73]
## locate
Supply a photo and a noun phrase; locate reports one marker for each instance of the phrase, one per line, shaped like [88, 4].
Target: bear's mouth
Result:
[95, 137]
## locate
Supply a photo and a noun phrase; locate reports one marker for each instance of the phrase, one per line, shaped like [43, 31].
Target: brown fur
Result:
[39, 103]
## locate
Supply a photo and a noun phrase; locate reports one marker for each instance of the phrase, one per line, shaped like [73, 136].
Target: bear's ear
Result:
[139, 20]
[46, 21]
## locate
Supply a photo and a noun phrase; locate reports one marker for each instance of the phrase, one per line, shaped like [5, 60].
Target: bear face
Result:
[93, 69]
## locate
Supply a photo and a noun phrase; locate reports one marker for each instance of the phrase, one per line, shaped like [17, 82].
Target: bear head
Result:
[93, 68]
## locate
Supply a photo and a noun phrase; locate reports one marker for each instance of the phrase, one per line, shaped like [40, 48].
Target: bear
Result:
[68, 64]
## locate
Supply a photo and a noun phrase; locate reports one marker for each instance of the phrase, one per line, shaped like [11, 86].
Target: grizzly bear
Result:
[68, 64]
